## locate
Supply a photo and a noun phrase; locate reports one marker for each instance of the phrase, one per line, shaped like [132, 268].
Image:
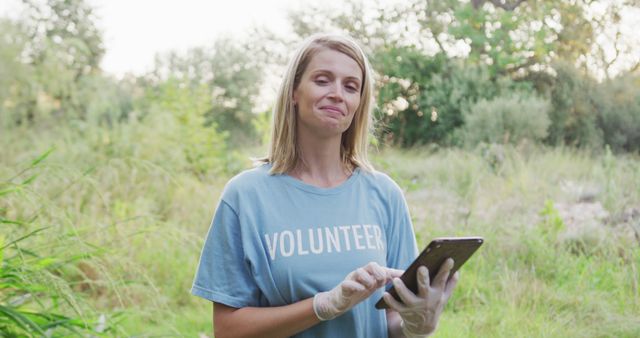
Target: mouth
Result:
[333, 109]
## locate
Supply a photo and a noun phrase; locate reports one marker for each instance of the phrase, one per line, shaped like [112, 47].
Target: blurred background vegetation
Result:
[515, 120]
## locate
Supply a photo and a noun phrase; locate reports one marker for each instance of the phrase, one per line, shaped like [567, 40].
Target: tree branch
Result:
[635, 67]
[435, 37]
[529, 62]
[504, 4]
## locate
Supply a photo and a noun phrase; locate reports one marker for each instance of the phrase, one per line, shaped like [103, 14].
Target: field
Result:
[123, 218]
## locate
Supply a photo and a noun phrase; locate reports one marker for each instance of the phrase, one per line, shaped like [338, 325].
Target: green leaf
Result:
[53, 320]
[42, 157]
[29, 180]
[21, 320]
[45, 262]
[5, 285]
[23, 237]
[7, 191]
[9, 221]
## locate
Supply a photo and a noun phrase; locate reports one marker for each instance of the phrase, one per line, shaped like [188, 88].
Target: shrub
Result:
[618, 103]
[179, 112]
[573, 113]
[422, 97]
[506, 119]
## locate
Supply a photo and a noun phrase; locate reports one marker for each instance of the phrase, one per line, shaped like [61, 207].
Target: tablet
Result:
[458, 248]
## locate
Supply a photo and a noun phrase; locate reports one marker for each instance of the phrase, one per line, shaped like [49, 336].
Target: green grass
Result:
[526, 281]
[129, 201]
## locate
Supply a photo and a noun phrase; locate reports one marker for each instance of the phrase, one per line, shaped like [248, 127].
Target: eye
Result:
[321, 80]
[352, 88]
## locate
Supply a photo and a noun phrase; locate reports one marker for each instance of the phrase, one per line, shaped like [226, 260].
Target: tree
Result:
[615, 46]
[56, 43]
[618, 104]
[67, 31]
[15, 88]
[438, 57]
[230, 74]
[573, 114]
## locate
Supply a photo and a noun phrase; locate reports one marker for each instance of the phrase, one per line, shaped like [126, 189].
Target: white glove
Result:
[420, 313]
[356, 287]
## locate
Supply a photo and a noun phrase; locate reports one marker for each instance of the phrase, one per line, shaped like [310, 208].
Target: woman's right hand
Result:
[356, 287]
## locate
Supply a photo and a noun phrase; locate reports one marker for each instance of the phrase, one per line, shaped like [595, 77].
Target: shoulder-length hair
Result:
[284, 152]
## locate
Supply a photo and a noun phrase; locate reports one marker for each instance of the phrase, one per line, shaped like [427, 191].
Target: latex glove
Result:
[420, 312]
[356, 287]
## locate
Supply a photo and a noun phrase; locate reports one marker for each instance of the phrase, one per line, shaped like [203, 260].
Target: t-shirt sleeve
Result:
[401, 240]
[223, 274]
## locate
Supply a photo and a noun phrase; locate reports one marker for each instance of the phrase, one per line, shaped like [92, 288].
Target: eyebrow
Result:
[325, 71]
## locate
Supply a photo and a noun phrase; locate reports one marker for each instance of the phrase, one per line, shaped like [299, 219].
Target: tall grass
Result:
[128, 215]
[129, 193]
[527, 281]
[36, 299]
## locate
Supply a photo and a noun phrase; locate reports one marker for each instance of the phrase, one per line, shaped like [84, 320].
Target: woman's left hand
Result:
[420, 312]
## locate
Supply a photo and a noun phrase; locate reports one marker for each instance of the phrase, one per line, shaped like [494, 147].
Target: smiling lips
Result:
[333, 109]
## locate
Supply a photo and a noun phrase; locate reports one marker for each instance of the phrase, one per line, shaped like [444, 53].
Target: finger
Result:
[403, 292]
[378, 273]
[363, 277]
[443, 274]
[451, 284]
[393, 303]
[349, 288]
[392, 273]
[423, 281]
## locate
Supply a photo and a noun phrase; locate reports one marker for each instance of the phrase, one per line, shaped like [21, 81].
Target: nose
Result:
[336, 93]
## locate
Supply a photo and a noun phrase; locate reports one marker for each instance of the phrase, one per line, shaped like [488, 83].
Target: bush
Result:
[227, 78]
[179, 112]
[506, 119]
[422, 98]
[573, 113]
[618, 103]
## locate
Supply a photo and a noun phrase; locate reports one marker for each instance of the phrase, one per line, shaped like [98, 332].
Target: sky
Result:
[135, 30]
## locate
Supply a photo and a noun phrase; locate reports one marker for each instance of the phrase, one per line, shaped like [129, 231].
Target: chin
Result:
[337, 126]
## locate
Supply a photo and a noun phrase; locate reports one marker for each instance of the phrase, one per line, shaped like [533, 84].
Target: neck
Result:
[320, 163]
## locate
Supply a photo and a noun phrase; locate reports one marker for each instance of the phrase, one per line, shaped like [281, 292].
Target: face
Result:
[328, 94]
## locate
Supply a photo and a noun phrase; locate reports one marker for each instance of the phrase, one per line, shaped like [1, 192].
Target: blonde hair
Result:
[284, 153]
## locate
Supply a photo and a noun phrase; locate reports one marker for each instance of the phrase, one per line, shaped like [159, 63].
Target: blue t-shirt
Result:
[275, 240]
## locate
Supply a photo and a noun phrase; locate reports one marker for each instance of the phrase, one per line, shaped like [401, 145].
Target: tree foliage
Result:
[421, 99]
[48, 54]
[227, 77]
[618, 105]
[434, 60]
[438, 58]
[573, 115]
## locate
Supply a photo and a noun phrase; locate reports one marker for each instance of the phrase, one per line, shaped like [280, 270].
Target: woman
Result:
[303, 244]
